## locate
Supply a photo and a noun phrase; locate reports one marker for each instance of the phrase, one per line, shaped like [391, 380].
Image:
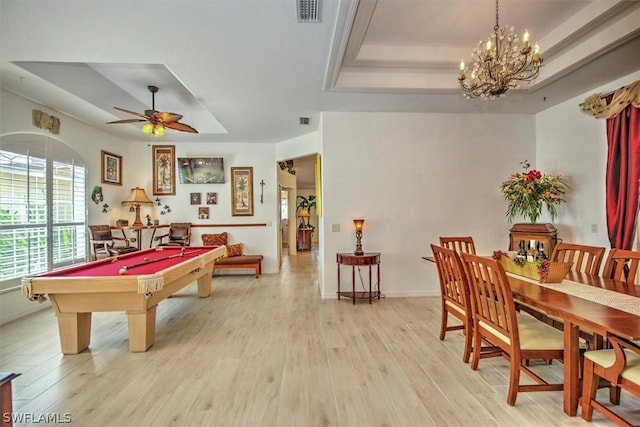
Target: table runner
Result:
[617, 300]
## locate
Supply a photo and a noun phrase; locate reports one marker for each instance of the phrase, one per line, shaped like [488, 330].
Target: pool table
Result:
[134, 283]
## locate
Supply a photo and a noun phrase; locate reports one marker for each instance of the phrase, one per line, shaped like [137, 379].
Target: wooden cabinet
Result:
[543, 233]
[303, 239]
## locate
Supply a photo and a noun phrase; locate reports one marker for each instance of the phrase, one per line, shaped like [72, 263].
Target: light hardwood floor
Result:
[267, 352]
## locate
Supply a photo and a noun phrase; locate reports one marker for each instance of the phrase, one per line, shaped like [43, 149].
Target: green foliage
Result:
[528, 192]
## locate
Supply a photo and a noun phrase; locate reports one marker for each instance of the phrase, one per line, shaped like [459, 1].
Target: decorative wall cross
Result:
[262, 184]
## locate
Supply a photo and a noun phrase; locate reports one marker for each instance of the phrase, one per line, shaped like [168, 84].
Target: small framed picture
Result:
[164, 175]
[111, 168]
[203, 212]
[212, 198]
[195, 198]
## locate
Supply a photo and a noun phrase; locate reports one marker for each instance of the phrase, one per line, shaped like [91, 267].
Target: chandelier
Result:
[500, 64]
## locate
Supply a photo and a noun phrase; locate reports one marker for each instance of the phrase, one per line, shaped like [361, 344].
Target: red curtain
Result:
[623, 177]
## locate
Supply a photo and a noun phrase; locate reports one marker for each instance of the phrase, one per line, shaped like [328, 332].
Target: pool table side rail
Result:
[35, 287]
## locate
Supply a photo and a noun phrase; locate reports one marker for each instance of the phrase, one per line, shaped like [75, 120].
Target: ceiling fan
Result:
[157, 121]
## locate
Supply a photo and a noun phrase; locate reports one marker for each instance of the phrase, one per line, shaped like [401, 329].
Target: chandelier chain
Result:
[497, 27]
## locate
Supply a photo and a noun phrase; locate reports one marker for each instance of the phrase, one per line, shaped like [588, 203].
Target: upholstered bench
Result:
[241, 261]
[234, 258]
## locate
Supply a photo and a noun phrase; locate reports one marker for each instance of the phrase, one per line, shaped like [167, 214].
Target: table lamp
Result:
[358, 224]
[304, 213]
[137, 197]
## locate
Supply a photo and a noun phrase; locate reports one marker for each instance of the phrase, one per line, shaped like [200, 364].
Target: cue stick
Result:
[124, 269]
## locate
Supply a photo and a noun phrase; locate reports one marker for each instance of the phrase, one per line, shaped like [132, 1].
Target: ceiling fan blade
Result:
[127, 121]
[132, 112]
[165, 116]
[179, 126]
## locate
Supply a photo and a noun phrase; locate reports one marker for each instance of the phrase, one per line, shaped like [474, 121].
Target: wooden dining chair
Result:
[619, 365]
[459, 244]
[102, 242]
[585, 258]
[520, 337]
[454, 292]
[622, 265]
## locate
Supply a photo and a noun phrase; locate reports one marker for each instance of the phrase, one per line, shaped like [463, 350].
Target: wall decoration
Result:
[242, 191]
[195, 198]
[164, 210]
[201, 170]
[163, 158]
[212, 198]
[203, 213]
[44, 121]
[111, 168]
[96, 195]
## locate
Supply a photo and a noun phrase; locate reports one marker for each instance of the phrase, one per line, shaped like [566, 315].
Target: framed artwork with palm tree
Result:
[164, 170]
[242, 191]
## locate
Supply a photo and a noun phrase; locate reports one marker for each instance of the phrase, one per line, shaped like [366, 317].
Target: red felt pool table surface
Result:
[150, 276]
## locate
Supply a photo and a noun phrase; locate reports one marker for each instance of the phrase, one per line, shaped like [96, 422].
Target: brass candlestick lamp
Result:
[358, 224]
[137, 197]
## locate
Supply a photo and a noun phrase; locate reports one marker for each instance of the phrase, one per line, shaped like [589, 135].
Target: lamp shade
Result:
[304, 213]
[358, 224]
[137, 196]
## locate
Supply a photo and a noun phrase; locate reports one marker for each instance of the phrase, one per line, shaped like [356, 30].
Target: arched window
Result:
[42, 207]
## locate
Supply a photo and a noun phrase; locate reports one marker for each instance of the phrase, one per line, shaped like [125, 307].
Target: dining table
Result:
[603, 306]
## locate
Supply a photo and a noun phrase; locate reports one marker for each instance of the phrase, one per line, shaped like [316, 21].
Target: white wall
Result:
[574, 144]
[16, 118]
[414, 177]
[255, 240]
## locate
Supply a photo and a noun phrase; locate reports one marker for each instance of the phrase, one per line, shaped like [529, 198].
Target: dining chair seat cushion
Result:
[606, 359]
[455, 307]
[534, 334]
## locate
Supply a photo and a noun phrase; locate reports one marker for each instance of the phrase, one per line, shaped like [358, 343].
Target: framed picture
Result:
[164, 169]
[203, 213]
[201, 170]
[111, 168]
[242, 191]
[195, 198]
[212, 198]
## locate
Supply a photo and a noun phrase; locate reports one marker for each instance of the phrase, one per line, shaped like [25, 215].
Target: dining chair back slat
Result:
[459, 244]
[622, 265]
[585, 258]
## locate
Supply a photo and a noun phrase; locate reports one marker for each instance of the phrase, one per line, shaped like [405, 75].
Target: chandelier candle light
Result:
[358, 224]
[501, 64]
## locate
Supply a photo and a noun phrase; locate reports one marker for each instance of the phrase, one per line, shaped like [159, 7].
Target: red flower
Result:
[532, 175]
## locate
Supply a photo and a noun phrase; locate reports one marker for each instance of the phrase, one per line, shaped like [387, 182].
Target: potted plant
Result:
[305, 203]
[529, 191]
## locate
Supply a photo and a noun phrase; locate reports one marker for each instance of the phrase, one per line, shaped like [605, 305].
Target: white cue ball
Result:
[123, 270]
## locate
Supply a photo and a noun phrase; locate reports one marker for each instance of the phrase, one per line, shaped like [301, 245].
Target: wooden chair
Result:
[519, 336]
[455, 296]
[459, 244]
[102, 242]
[622, 265]
[179, 235]
[620, 366]
[586, 259]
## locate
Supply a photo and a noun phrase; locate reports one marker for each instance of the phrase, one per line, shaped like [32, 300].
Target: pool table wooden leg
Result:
[142, 329]
[75, 331]
[204, 285]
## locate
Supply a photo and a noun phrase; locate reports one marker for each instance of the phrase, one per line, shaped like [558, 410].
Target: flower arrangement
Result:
[529, 191]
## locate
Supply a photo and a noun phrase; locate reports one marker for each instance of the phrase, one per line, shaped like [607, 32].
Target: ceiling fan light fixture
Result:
[147, 128]
[159, 130]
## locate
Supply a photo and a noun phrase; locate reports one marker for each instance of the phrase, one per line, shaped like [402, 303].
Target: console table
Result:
[367, 259]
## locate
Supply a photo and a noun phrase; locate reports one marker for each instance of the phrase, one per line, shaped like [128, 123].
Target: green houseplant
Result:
[529, 191]
[307, 203]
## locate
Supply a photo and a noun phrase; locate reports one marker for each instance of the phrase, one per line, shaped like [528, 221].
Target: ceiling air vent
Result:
[308, 10]
[304, 120]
